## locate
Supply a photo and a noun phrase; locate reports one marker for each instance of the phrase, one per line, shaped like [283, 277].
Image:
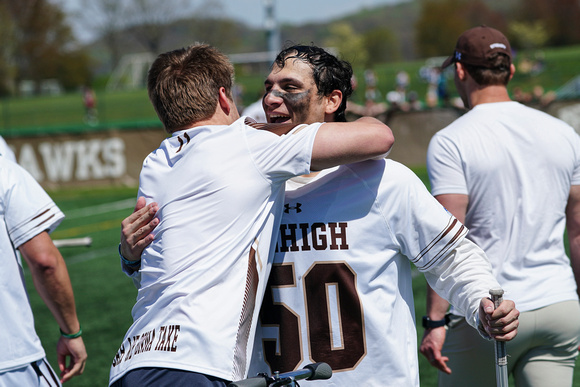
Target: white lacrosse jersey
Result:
[26, 210]
[220, 192]
[517, 165]
[340, 289]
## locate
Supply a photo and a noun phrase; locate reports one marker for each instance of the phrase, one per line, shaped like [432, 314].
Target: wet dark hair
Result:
[329, 72]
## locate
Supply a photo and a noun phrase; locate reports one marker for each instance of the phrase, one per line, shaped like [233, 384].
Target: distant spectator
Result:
[540, 98]
[520, 96]
[430, 75]
[395, 100]
[372, 93]
[90, 103]
[413, 102]
[402, 83]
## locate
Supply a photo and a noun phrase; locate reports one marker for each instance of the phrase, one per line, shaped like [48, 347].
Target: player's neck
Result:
[489, 94]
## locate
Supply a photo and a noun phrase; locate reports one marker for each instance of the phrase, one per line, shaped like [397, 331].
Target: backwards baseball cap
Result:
[476, 45]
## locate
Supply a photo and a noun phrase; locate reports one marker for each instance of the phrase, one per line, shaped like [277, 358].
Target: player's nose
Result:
[272, 98]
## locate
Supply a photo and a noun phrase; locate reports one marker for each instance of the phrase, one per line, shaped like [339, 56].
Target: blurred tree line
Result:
[526, 23]
[37, 43]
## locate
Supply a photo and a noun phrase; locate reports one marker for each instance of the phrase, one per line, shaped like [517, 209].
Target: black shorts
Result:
[167, 377]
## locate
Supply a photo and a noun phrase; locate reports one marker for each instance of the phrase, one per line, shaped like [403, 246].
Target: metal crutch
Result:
[501, 371]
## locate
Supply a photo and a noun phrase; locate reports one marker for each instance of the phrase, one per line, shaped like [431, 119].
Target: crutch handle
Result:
[500, 349]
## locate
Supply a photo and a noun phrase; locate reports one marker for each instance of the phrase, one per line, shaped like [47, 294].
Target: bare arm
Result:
[348, 142]
[501, 323]
[52, 282]
[433, 339]
[573, 227]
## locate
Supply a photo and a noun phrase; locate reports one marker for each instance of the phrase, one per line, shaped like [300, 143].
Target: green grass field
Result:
[105, 296]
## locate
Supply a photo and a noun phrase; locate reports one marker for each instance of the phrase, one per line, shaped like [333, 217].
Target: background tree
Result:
[381, 45]
[348, 43]
[148, 21]
[7, 46]
[41, 43]
[528, 34]
[441, 21]
[105, 19]
[559, 17]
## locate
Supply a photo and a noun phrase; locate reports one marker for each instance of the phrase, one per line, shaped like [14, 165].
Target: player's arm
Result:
[339, 143]
[456, 204]
[464, 277]
[501, 324]
[52, 282]
[434, 338]
[573, 228]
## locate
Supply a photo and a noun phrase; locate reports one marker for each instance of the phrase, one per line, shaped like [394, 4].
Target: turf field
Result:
[104, 296]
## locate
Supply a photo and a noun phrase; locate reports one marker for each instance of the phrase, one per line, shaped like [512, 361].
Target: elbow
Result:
[45, 264]
[384, 143]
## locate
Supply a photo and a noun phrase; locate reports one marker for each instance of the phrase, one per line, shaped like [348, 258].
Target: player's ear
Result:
[460, 71]
[512, 71]
[224, 101]
[333, 101]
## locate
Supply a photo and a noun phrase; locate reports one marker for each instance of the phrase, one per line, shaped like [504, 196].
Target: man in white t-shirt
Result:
[219, 186]
[27, 216]
[512, 175]
[6, 151]
[340, 290]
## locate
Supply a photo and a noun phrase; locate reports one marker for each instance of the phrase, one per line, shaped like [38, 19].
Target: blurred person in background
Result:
[511, 174]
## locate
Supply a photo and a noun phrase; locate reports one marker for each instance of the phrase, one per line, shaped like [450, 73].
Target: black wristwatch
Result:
[429, 324]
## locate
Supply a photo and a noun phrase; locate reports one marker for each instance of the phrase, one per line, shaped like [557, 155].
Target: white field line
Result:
[105, 252]
[101, 208]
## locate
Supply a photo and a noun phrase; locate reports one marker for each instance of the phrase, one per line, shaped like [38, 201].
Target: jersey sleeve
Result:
[425, 231]
[435, 242]
[463, 278]
[285, 156]
[444, 167]
[29, 209]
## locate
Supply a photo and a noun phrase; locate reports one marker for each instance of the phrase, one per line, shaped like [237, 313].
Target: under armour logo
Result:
[288, 207]
[457, 56]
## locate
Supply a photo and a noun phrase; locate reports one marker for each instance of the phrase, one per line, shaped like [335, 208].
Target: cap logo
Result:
[457, 56]
[498, 45]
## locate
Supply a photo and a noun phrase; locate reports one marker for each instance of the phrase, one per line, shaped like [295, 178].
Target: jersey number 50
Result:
[329, 288]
